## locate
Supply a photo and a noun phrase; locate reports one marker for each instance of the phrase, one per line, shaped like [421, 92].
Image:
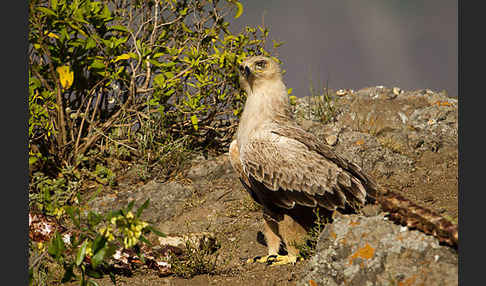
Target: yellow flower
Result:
[129, 215]
[58, 212]
[102, 230]
[41, 246]
[89, 250]
[51, 35]
[66, 76]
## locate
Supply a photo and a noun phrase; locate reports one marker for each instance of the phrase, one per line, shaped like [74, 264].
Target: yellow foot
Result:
[274, 260]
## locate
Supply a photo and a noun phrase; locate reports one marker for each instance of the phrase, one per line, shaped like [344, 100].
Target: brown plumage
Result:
[284, 168]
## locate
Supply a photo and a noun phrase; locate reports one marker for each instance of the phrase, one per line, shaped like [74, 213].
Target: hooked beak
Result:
[245, 71]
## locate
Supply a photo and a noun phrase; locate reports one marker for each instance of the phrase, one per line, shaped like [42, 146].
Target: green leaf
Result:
[169, 75]
[31, 276]
[159, 80]
[185, 28]
[97, 64]
[56, 247]
[32, 160]
[68, 274]
[106, 251]
[94, 195]
[70, 211]
[54, 4]
[195, 122]
[105, 13]
[113, 214]
[94, 219]
[112, 277]
[98, 243]
[141, 208]
[239, 10]
[144, 240]
[90, 43]
[94, 273]
[130, 206]
[158, 55]
[93, 282]
[47, 11]
[155, 62]
[81, 253]
[99, 257]
[122, 57]
[118, 28]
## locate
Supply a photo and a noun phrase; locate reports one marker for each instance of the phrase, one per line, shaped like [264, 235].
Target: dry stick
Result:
[76, 145]
[106, 125]
[117, 142]
[152, 40]
[90, 94]
[62, 122]
[94, 112]
[406, 212]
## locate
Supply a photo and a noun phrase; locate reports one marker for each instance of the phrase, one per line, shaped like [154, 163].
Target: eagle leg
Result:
[272, 239]
[292, 233]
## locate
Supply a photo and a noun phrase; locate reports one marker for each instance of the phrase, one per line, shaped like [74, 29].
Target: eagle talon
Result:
[273, 260]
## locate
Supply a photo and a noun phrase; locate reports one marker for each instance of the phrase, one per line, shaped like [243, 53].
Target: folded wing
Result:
[288, 166]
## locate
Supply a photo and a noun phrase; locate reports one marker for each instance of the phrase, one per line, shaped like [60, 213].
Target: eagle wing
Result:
[286, 166]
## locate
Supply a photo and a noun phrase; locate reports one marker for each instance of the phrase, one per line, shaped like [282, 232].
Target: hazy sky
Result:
[411, 44]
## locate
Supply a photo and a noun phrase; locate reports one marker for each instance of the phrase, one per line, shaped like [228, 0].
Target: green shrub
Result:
[100, 66]
[147, 79]
[93, 239]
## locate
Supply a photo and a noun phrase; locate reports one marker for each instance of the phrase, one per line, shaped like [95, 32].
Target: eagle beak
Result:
[245, 71]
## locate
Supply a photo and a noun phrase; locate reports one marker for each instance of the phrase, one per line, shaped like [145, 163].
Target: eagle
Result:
[285, 169]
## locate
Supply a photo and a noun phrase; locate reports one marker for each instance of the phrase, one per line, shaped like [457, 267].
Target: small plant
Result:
[197, 259]
[307, 249]
[83, 251]
[48, 194]
[319, 105]
[104, 175]
[393, 144]
[323, 106]
[250, 204]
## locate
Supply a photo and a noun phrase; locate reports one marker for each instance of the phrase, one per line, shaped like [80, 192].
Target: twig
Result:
[76, 145]
[113, 140]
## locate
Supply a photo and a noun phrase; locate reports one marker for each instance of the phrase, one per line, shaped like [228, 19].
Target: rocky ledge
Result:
[406, 140]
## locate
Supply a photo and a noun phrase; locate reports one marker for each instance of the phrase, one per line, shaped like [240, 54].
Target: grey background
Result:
[412, 44]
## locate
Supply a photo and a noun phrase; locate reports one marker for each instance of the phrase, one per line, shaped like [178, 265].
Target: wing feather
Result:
[297, 174]
[361, 182]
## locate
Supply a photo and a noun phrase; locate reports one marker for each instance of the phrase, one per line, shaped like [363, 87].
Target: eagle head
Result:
[256, 70]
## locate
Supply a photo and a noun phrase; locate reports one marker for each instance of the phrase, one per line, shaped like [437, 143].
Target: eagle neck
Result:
[265, 105]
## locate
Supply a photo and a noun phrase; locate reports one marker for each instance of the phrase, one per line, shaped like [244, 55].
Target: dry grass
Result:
[392, 144]
[196, 259]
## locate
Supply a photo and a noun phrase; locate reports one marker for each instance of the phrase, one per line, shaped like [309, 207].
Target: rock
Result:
[200, 240]
[357, 250]
[208, 168]
[331, 139]
[164, 199]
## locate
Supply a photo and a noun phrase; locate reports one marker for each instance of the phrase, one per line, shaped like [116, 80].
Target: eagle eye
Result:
[260, 65]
